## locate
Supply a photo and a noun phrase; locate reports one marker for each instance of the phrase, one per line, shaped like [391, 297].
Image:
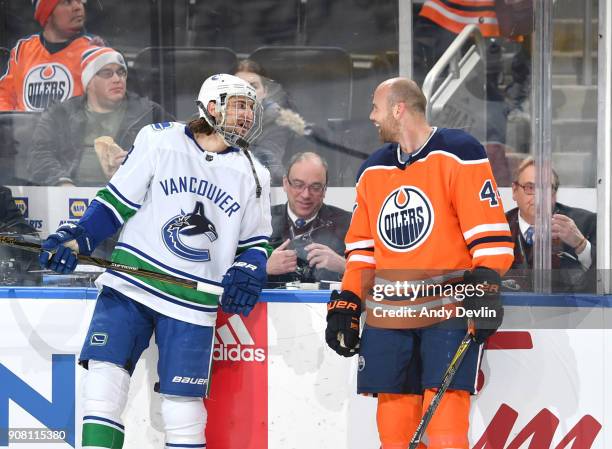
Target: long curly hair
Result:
[200, 126]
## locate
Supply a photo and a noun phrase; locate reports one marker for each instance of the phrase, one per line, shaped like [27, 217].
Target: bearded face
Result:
[382, 116]
[388, 128]
[239, 115]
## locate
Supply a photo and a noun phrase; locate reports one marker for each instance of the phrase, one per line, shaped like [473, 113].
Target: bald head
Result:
[398, 111]
[311, 158]
[305, 184]
[404, 90]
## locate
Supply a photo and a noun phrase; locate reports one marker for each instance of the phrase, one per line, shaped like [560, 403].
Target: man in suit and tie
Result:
[573, 236]
[308, 234]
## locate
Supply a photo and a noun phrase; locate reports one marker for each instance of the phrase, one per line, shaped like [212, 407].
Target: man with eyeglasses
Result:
[308, 234]
[45, 68]
[573, 236]
[83, 140]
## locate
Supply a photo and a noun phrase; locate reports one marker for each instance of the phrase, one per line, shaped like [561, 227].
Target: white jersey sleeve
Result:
[256, 228]
[127, 189]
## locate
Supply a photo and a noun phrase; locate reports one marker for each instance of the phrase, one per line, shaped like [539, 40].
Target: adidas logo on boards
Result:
[234, 343]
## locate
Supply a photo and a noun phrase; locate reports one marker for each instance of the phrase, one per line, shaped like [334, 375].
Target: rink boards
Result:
[46, 208]
[276, 385]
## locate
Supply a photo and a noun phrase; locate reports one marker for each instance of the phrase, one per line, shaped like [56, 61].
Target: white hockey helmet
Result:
[244, 125]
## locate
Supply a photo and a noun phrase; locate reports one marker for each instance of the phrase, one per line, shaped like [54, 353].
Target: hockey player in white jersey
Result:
[190, 202]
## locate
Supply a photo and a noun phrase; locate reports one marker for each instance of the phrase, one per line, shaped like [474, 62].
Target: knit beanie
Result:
[43, 9]
[93, 59]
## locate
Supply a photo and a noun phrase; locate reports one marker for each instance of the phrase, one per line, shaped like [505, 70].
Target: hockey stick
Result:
[446, 381]
[20, 242]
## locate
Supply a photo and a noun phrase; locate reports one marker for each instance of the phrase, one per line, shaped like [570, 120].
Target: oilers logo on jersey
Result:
[45, 84]
[406, 219]
[184, 230]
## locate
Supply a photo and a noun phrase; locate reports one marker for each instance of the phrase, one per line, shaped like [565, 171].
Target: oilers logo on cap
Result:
[406, 219]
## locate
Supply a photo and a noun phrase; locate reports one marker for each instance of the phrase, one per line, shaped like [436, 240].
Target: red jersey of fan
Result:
[35, 78]
[425, 220]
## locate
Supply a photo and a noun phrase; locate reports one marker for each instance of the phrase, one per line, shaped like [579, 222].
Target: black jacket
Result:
[568, 274]
[57, 144]
[328, 228]
[11, 219]
[14, 263]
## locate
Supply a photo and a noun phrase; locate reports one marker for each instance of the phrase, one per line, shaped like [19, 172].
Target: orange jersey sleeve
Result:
[359, 242]
[481, 216]
[455, 15]
[8, 97]
[35, 78]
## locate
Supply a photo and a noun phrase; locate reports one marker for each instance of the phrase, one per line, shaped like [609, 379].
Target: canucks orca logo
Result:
[183, 234]
[406, 219]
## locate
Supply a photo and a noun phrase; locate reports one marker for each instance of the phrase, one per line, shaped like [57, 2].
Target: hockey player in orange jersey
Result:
[45, 68]
[427, 209]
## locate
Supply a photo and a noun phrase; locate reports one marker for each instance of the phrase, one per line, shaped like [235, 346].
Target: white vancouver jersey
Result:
[185, 212]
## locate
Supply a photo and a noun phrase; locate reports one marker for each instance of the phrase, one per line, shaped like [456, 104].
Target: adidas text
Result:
[239, 354]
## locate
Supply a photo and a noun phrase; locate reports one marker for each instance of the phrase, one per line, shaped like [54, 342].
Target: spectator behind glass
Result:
[437, 26]
[45, 68]
[15, 263]
[573, 236]
[309, 235]
[279, 124]
[11, 219]
[74, 142]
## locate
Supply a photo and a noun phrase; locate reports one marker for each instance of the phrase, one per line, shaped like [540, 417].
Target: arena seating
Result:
[16, 131]
[172, 76]
[317, 79]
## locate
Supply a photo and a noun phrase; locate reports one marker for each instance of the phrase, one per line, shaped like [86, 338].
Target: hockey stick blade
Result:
[446, 381]
[24, 244]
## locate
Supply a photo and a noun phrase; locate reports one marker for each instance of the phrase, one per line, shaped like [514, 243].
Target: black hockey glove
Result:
[485, 300]
[342, 332]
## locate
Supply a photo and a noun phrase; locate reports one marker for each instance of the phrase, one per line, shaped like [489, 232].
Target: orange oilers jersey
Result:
[454, 15]
[427, 220]
[35, 78]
